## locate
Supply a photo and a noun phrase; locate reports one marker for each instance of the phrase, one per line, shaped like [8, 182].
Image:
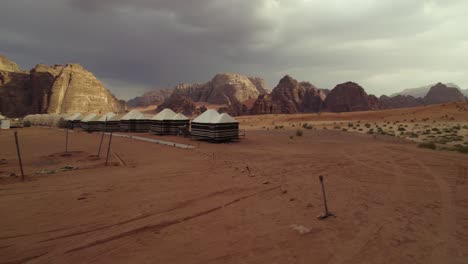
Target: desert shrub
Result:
[27, 123]
[337, 127]
[291, 137]
[299, 133]
[307, 126]
[412, 135]
[461, 149]
[428, 145]
[344, 129]
[401, 129]
[350, 125]
[367, 125]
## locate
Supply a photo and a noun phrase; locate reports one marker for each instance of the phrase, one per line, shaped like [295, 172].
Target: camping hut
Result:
[142, 123]
[109, 122]
[179, 124]
[86, 122]
[160, 124]
[215, 127]
[4, 122]
[128, 122]
[74, 121]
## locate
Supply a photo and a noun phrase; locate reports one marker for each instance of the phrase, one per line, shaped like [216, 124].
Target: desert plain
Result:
[251, 201]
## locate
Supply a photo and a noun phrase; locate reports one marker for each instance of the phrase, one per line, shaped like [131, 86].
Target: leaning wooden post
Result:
[19, 155]
[326, 213]
[108, 148]
[102, 138]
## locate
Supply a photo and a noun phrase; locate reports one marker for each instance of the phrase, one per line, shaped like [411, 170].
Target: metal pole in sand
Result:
[102, 138]
[326, 213]
[19, 155]
[108, 148]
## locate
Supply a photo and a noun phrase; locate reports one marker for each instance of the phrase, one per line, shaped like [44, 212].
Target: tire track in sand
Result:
[355, 246]
[447, 226]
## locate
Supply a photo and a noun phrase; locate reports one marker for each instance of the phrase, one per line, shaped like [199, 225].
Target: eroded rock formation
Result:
[58, 89]
[441, 93]
[349, 97]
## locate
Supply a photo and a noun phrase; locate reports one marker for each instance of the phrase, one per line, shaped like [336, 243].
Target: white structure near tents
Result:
[4, 122]
[215, 127]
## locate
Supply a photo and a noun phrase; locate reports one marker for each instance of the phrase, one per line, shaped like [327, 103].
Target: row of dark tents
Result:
[210, 125]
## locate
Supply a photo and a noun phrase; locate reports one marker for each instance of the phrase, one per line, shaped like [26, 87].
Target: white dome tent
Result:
[160, 123]
[215, 127]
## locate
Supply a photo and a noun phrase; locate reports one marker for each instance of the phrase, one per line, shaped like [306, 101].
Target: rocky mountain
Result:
[58, 89]
[400, 101]
[441, 93]
[349, 97]
[155, 97]
[420, 92]
[226, 90]
[288, 97]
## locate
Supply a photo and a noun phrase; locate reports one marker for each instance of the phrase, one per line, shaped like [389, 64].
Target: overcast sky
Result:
[136, 45]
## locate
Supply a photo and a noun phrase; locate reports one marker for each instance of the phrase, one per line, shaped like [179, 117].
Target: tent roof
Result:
[2, 117]
[107, 117]
[89, 117]
[225, 118]
[180, 116]
[208, 116]
[165, 114]
[134, 114]
[143, 117]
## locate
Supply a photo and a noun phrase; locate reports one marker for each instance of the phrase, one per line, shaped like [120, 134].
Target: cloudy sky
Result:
[136, 45]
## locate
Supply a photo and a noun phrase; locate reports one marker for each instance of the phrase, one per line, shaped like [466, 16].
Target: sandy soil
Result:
[394, 202]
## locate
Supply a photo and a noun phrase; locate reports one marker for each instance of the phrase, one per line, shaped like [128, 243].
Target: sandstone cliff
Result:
[399, 101]
[155, 97]
[289, 96]
[58, 89]
[441, 93]
[226, 90]
[348, 97]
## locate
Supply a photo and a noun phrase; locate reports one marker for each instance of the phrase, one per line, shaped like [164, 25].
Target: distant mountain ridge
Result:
[420, 92]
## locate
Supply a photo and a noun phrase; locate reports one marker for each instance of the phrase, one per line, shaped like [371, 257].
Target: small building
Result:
[160, 123]
[213, 126]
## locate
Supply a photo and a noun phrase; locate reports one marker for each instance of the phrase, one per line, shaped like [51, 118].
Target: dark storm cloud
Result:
[135, 45]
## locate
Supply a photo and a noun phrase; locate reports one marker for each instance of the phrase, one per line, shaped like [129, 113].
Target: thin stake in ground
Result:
[108, 148]
[326, 213]
[102, 138]
[19, 155]
[66, 140]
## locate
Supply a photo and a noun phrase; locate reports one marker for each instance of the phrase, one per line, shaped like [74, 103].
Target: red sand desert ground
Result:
[394, 202]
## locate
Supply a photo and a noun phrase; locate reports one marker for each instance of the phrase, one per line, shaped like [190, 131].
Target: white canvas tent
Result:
[215, 127]
[160, 124]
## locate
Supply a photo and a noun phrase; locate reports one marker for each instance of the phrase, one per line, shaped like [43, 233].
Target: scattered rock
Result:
[300, 228]
[266, 182]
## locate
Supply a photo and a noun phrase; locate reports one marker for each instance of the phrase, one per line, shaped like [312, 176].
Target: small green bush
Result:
[27, 123]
